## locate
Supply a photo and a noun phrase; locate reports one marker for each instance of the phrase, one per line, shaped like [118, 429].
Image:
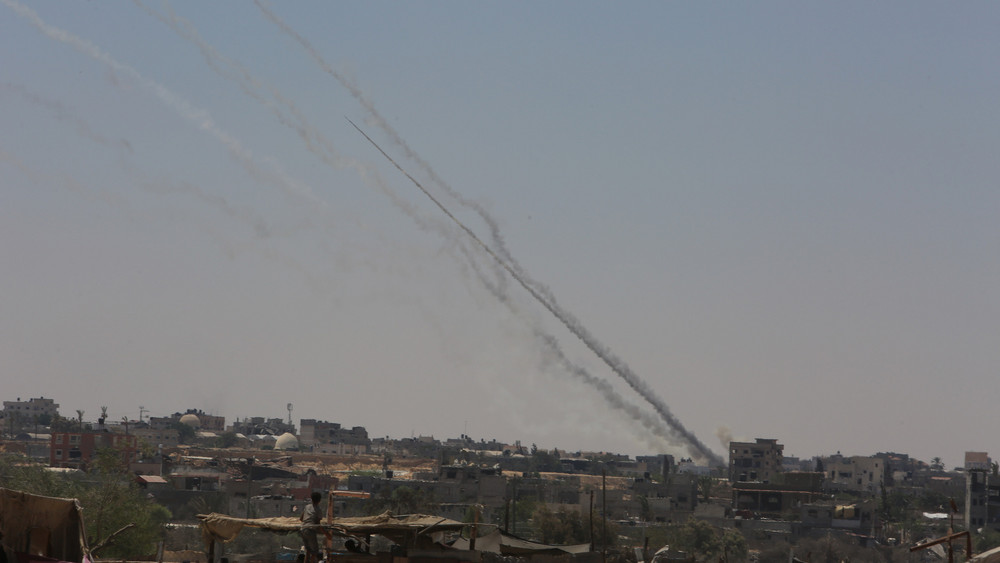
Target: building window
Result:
[74, 439]
[59, 454]
[59, 438]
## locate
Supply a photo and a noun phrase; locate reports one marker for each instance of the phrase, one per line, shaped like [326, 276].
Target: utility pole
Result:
[604, 516]
[514, 510]
[591, 520]
[249, 482]
[142, 411]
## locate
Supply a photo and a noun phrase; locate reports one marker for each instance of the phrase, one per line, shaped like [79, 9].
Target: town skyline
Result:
[114, 421]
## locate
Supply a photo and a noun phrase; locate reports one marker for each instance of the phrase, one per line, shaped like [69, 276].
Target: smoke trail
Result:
[63, 113]
[573, 325]
[501, 255]
[250, 85]
[28, 172]
[376, 118]
[653, 424]
[379, 121]
[289, 115]
[199, 117]
[245, 157]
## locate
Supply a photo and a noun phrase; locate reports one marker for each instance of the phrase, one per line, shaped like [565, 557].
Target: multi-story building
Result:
[157, 438]
[755, 461]
[672, 500]
[859, 474]
[658, 465]
[76, 449]
[320, 432]
[29, 411]
[982, 494]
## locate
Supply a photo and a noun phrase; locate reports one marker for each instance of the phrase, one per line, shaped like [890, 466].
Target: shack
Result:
[35, 529]
[416, 535]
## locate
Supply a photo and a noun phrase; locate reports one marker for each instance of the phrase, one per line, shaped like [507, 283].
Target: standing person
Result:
[310, 527]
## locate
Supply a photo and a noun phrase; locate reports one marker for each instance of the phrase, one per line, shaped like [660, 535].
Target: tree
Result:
[227, 440]
[146, 450]
[936, 464]
[564, 526]
[542, 460]
[60, 423]
[645, 510]
[79, 418]
[697, 538]
[705, 483]
[558, 527]
[987, 540]
[734, 546]
[185, 433]
[110, 501]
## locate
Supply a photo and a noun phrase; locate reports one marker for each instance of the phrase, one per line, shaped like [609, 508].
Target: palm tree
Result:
[936, 464]
[79, 417]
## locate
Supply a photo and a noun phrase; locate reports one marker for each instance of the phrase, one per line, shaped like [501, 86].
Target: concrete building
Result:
[670, 501]
[982, 492]
[77, 449]
[166, 438]
[859, 517]
[859, 474]
[755, 461]
[322, 433]
[28, 412]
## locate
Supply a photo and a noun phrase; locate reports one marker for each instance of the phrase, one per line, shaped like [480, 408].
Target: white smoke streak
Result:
[288, 114]
[694, 445]
[199, 117]
[500, 252]
[65, 114]
[204, 121]
[376, 118]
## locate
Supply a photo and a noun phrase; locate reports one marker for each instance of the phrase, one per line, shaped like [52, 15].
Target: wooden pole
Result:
[328, 543]
[475, 529]
[604, 516]
[592, 521]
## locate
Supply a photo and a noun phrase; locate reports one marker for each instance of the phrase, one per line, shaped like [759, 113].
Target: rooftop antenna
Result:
[142, 410]
[289, 414]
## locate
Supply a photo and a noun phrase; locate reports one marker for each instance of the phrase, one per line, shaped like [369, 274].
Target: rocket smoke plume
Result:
[501, 255]
[619, 367]
[292, 188]
[275, 176]
[315, 141]
[500, 246]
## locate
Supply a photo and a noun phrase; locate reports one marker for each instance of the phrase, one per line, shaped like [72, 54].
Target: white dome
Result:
[191, 420]
[286, 441]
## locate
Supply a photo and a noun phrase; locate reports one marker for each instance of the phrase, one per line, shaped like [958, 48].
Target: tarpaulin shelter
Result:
[505, 544]
[35, 527]
[406, 530]
[991, 556]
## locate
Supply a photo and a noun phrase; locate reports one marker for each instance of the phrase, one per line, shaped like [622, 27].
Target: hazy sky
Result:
[784, 217]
